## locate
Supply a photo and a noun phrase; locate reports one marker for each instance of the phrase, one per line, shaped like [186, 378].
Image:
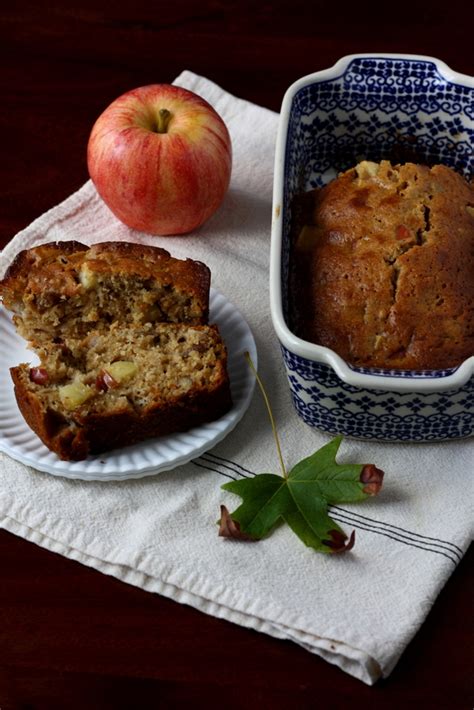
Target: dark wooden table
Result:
[72, 637]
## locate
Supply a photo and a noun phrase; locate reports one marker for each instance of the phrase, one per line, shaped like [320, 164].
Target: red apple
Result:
[160, 158]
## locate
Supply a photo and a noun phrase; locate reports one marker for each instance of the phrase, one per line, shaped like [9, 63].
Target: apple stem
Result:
[162, 121]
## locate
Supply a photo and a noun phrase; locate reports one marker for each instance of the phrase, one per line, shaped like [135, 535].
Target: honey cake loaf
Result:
[63, 288]
[110, 373]
[383, 266]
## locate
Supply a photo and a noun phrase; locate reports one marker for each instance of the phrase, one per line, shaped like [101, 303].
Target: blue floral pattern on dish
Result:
[377, 108]
[323, 400]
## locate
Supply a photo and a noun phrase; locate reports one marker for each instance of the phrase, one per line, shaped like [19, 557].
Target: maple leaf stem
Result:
[270, 414]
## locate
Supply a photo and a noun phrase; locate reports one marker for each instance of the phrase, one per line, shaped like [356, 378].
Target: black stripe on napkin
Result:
[208, 468]
[219, 461]
[386, 532]
[450, 546]
[394, 532]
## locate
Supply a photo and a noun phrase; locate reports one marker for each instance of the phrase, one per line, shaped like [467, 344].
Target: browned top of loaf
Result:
[54, 266]
[383, 272]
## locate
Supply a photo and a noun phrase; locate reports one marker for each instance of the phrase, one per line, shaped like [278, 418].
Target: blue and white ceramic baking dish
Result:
[369, 107]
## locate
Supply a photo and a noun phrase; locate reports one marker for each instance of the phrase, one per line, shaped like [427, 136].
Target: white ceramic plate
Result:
[150, 457]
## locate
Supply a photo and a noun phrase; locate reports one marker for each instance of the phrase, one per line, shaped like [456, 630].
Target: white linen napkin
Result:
[358, 610]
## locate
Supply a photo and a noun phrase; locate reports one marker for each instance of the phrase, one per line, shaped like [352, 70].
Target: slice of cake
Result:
[124, 346]
[66, 288]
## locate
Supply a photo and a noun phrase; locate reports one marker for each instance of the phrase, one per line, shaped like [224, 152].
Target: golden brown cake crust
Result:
[125, 350]
[383, 271]
[55, 268]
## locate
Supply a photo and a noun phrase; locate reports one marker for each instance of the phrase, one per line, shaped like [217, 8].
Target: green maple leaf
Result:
[301, 497]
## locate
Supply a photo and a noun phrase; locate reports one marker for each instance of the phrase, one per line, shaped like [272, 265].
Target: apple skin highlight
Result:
[162, 183]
